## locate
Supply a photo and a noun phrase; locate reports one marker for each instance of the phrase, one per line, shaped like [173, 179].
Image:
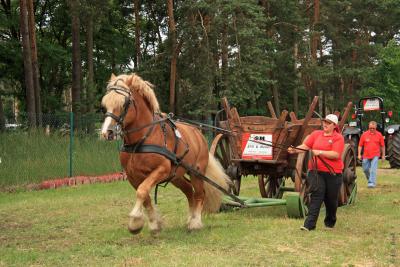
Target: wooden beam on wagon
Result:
[345, 115]
[227, 108]
[306, 120]
[292, 116]
[271, 110]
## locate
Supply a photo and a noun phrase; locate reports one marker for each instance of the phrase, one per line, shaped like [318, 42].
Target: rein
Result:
[283, 146]
[201, 125]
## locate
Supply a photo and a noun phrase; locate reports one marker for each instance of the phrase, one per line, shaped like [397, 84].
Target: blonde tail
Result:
[213, 196]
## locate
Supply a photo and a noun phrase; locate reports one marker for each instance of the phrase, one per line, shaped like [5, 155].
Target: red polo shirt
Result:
[334, 142]
[372, 143]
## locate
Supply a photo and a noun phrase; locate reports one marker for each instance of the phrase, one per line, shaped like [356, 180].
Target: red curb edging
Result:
[79, 180]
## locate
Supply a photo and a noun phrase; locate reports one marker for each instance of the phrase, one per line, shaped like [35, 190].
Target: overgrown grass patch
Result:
[87, 225]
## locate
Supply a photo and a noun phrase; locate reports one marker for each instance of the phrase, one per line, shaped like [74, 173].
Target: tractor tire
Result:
[393, 150]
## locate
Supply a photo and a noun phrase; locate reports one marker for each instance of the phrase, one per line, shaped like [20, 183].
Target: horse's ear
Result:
[129, 80]
[113, 76]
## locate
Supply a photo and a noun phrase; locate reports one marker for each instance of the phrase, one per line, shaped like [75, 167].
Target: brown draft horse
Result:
[131, 103]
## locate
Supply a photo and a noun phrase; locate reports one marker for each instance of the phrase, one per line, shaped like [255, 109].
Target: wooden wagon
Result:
[266, 157]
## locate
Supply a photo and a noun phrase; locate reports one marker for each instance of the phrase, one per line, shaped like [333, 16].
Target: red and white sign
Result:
[254, 150]
[371, 104]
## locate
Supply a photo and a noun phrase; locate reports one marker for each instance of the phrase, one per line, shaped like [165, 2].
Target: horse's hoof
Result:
[155, 227]
[135, 231]
[195, 225]
[155, 232]
[135, 225]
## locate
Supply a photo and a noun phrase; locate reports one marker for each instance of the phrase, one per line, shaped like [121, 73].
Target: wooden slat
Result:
[306, 120]
[236, 127]
[236, 117]
[271, 110]
[292, 116]
[227, 108]
[233, 140]
[280, 136]
[345, 115]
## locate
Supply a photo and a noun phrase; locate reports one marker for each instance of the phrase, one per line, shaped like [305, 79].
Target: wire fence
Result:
[63, 146]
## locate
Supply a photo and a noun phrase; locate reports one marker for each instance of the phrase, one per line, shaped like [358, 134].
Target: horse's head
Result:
[119, 102]
[116, 102]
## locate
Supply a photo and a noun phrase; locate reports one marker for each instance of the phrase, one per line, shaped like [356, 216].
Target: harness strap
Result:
[115, 117]
[144, 126]
[147, 148]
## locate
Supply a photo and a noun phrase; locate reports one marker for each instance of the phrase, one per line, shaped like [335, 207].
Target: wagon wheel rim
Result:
[222, 151]
[269, 186]
[300, 175]
[301, 171]
[349, 174]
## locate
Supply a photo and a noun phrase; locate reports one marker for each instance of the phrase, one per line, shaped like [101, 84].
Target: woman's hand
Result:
[326, 154]
[299, 149]
[317, 152]
[292, 150]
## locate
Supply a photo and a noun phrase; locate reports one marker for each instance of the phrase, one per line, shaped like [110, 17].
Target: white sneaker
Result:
[303, 228]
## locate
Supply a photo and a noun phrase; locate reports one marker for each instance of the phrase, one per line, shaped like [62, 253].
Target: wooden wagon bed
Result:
[274, 164]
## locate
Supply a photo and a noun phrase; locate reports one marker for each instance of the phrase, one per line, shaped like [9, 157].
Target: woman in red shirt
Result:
[325, 171]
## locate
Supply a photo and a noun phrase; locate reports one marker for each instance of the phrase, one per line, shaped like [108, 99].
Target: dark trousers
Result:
[324, 187]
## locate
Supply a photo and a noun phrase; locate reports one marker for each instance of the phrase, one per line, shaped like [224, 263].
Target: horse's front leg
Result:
[136, 216]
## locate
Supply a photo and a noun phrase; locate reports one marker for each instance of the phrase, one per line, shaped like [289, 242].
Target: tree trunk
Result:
[28, 72]
[315, 35]
[90, 80]
[155, 20]
[76, 61]
[224, 57]
[137, 33]
[274, 89]
[275, 94]
[172, 36]
[295, 89]
[35, 66]
[2, 117]
[314, 45]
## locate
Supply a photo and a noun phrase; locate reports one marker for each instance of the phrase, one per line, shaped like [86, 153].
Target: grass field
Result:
[87, 226]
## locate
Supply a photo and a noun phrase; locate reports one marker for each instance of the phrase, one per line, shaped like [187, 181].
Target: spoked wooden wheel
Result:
[300, 175]
[269, 186]
[222, 151]
[300, 172]
[349, 175]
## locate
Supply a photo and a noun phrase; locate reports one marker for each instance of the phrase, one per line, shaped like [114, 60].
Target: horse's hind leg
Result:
[198, 199]
[186, 187]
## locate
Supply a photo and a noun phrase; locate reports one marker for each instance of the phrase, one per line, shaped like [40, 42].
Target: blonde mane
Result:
[135, 84]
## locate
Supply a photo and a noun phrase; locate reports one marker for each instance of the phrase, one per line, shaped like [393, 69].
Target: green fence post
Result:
[71, 140]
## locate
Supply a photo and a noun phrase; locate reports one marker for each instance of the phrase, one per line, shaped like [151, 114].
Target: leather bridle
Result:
[127, 102]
